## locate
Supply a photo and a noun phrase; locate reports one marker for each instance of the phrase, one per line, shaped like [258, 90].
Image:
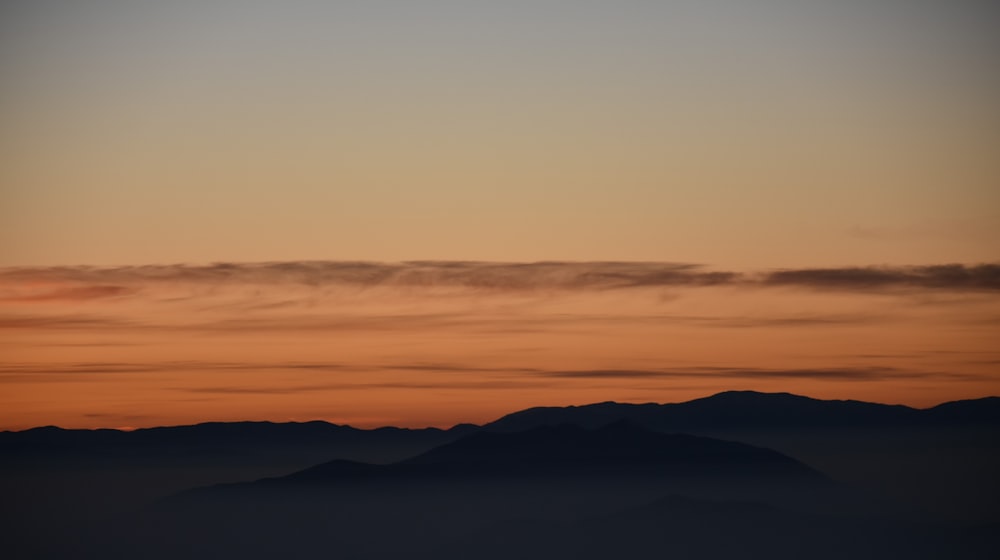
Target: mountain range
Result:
[583, 480]
[739, 410]
[731, 411]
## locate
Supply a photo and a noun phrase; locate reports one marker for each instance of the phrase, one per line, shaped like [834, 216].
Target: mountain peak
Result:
[740, 410]
[748, 395]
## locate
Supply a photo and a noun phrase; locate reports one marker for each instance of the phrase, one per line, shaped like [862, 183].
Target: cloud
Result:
[335, 376]
[62, 322]
[829, 374]
[82, 368]
[83, 283]
[471, 383]
[464, 274]
[244, 390]
[938, 277]
[68, 294]
[717, 321]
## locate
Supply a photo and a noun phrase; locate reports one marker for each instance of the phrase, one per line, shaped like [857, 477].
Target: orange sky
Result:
[744, 135]
[418, 344]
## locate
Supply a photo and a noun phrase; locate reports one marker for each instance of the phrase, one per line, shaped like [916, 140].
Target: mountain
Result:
[317, 441]
[744, 410]
[288, 443]
[548, 492]
[940, 462]
[985, 411]
[619, 448]
[557, 474]
[61, 482]
[748, 474]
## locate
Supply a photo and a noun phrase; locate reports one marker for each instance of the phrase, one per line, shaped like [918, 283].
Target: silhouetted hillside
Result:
[539, 466]
[747, 479]
[745, 410]
[555, 474]
[620, 448]
[550, 492]
[284, 443]
[938, 462]
[977, 411]
[725, 412]
[617, 444]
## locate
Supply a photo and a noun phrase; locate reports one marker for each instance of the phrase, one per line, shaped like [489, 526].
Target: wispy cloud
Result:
[473, 375]
[476, 275]
[88, 283]
[83, 368]
[938, 277]
[72, 293]
[828, 374]
[63, 321]
[471, 383]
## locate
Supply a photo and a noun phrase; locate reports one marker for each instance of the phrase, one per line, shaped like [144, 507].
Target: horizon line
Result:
[459, 424]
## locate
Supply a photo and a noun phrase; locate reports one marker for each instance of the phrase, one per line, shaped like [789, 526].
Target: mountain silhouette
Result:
[984, 411]
[744, 474]
[557, 474]
[618, 448]
[939, 461]
[727, 411]
[292, 444]
[753, 410]
[552, 492]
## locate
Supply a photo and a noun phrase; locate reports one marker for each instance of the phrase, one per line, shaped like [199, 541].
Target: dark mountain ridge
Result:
[737, 410]
[384, 493]
[618, 448]
[291, 443]
[558, 472]
[550, 491]
[730, 409]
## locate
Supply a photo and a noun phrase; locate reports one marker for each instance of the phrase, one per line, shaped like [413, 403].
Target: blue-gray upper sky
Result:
[736, 133]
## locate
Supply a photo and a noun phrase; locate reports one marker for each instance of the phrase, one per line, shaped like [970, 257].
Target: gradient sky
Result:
[805, 137]
[735, 133]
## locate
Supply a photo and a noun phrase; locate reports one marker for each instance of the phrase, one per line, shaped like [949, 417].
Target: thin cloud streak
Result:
[362, 386]
[457, 274]
[83, 368]
[67, 322]
[937, 277]
[871, 373]
[70, 294]
[85, 283]
[824, 374]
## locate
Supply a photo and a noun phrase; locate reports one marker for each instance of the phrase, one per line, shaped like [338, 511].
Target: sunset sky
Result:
[423, 213]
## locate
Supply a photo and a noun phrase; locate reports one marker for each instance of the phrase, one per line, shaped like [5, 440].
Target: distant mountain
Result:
[559, 473]
[213, 433]
[539, 483]
[619, 448]
[978, 411]
[289, 443]
[725, 412]
[549, 492]
[750, 410]
[940, 461]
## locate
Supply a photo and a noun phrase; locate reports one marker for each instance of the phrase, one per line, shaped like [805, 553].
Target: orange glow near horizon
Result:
[444, 343]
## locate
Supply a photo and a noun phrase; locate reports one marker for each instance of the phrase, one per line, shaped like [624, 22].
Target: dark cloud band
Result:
[87, 283]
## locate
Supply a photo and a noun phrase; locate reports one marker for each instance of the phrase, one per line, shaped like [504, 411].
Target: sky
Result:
[718, 147]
